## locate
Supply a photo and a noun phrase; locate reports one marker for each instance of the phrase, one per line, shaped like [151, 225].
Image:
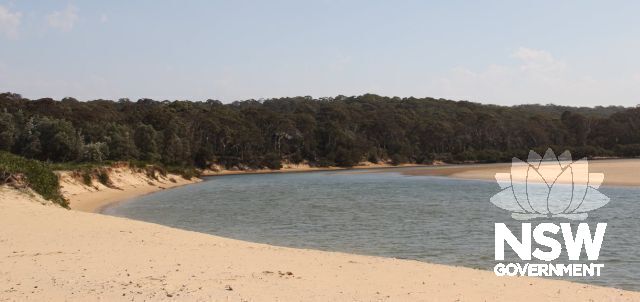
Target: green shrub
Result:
[103, 177]
[323, 163]
[373, 158]
[189, 173]
[137, 164]
[39, 176]
[397, 159]
[79, 166]
[272, 161]
[150, 171]
[631, 150]
[186, 172]
[87, 178]
[161, 170]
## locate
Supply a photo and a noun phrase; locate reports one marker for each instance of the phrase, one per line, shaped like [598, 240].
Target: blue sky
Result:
[500, 52]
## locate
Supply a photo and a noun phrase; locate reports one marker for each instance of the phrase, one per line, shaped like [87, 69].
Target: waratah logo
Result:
[549, 187]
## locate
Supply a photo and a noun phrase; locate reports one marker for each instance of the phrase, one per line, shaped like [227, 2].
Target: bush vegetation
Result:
[339, 131]
[38, 175]
[103, 177]
[87, 177]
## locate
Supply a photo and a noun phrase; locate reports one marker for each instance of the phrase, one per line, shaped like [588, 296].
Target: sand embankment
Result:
[51, 254]
[125, 183]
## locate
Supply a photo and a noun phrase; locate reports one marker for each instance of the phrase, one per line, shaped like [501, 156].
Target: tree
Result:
[7, 131]
[578, 126]
[59, 140]
[29, 140]
[120, 143]
[145, 141]
[95, 152]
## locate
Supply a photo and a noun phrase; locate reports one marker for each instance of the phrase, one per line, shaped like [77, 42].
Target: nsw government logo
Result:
[550, 188]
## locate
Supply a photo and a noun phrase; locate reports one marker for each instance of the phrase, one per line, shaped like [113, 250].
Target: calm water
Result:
[430, 219]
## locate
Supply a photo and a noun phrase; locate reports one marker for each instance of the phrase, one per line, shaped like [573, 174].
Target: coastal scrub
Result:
[30, 173]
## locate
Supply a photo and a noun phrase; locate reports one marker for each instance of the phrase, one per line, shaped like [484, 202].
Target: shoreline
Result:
[129, 185]
[102, 207]
[119, 259]
[618, 173]
[306, 168]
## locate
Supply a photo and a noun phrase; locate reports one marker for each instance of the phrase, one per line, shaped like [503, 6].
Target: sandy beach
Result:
[617, 172]
[50, 253]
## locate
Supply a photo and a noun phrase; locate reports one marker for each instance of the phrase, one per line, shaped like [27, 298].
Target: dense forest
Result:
[340, 131]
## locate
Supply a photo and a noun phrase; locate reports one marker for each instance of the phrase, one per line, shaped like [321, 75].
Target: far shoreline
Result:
[618, 172]
[307, 168]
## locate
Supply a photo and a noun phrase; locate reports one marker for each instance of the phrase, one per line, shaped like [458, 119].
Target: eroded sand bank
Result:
[125, 183]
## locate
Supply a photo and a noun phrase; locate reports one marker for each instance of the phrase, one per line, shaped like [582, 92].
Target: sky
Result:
[583, 53]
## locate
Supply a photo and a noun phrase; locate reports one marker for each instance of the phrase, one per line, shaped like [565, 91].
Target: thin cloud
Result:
[63, 20]
[9, 22]
[535, 76]
[536, 60]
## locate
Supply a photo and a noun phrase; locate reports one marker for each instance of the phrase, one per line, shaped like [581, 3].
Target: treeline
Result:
[340, 131]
